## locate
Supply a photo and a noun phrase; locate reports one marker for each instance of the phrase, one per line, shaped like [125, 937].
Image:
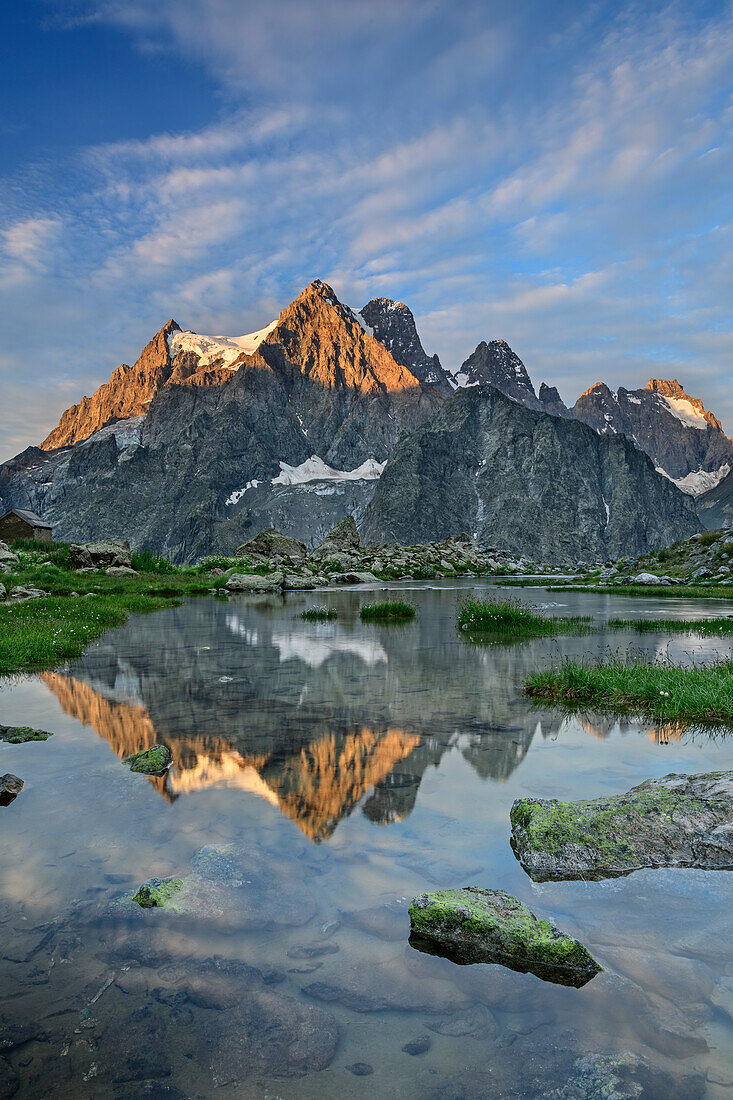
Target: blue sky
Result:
[555, 174]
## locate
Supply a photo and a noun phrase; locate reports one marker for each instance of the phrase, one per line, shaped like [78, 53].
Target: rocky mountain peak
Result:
[551, 401]
[128, 393]
[320, 339]
[393, 324]
[495, 364]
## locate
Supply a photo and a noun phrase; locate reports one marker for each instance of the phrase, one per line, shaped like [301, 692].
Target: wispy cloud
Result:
[556, 176]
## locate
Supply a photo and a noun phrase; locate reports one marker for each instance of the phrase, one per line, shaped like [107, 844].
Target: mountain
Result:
[172, 452]
[685, 441]
[715, 507]
[515, 477]
[393, 324]
[206, 440]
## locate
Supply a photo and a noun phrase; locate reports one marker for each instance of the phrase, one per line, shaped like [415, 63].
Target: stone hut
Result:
[19, 523]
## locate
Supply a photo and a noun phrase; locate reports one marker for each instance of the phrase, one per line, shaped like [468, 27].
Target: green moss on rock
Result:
[476, 925]
[675, 820]
[153, 761]
[18, 735]
[157, 893]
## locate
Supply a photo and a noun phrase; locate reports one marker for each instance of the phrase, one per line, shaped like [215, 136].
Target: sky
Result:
[557, 175]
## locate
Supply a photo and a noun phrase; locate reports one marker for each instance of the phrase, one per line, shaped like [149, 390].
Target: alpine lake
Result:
[323, 774]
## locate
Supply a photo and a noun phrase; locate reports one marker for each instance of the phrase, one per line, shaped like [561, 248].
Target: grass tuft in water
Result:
[674, 626]
[658, 689]
[511, 619]
[319, 614]
[388, 610]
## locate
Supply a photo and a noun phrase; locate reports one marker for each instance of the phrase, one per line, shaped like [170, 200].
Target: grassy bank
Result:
[509, 619]
[41, 633]
[657, 690]
[674, 626]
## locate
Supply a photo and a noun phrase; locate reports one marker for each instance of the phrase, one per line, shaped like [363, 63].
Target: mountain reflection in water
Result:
[317, 720]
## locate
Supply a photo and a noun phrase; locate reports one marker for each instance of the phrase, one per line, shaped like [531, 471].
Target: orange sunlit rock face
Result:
[320, 340]
[128, 393]
[315, 786]
[315, 337]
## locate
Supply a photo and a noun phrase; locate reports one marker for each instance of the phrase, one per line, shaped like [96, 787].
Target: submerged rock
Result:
[231, 887]
[18, 735]
[152, 761]
[10, 788]
[272, 1035]
[158, 893]
[474, 925]
[678, 820]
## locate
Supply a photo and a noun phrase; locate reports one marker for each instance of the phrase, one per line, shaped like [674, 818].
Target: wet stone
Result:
[19, 735]
[152, 761]
[677, 820]
[360, 1069]
[474, 925]
[134, 1048]
[312, 950]
[476, 1023]
[271, 1034]
[10, 788]
[421, 1045]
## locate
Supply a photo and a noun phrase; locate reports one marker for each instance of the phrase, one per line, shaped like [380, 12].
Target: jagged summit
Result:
[495, 364]
[393, 324]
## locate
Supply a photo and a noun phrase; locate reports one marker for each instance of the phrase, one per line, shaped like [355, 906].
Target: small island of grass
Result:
[387, 611]
[658, 690]
[675, 626]
[506, 618]
[319, 614]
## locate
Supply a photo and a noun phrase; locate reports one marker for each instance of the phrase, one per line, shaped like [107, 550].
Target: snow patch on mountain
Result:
[315, 469]
[699, 481]
[686, 412]
[211, 349]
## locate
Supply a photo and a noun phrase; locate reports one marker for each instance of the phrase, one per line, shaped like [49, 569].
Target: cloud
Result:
[555, 177]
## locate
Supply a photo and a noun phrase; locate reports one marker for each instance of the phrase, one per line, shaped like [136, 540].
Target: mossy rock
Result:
[153, 761]
[473, 925]
[678, 820]
[18, 735]
[158, 893]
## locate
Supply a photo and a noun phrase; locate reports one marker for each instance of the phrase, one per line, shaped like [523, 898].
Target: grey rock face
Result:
[532, 483]
[100, 554]
[715, 507]
[393, 324]
[678, 820]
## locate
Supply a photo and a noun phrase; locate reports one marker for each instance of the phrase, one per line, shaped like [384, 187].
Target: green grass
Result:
[671, 591]
[677, 626]
[37, 634]
[42, 633]
[707, 538]
[658, 690]
[144, 561]
[510, 619]
[388, 611]
[319, 614]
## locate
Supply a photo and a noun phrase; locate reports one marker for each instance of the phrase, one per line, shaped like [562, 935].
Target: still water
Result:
[342, 768]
